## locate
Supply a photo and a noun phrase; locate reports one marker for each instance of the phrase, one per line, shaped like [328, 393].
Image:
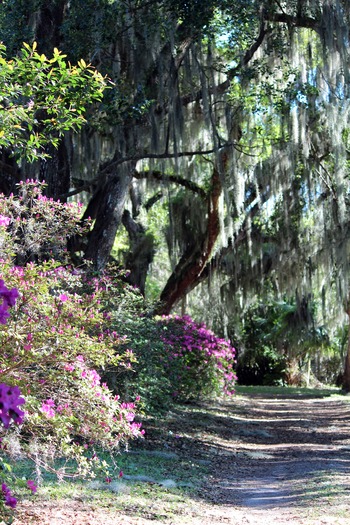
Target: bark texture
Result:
[196, 256]
[109, 201]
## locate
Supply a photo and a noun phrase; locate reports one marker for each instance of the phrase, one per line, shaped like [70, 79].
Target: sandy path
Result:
[273, 461]
[288, 461]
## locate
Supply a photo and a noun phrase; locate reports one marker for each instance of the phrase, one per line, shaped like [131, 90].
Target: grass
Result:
[157, 485]
[327, 493]
[288, 390]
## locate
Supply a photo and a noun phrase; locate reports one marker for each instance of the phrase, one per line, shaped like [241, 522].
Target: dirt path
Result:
[286, 460]
[271, 460]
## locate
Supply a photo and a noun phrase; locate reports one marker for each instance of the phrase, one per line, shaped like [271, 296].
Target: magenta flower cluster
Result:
[10, 401]
[10, 500]
[4, 221]
[8, 299]
[200, 352]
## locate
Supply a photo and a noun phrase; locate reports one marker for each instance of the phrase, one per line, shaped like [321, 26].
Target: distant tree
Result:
[234, 112]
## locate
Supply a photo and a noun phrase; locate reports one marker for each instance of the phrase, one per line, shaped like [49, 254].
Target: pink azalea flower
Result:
[32, 486]
[48, 408]
[10, 501]
[4, 221]
[9, 405]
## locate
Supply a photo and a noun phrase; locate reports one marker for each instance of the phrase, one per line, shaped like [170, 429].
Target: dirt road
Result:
[272, 460]
[285, 460]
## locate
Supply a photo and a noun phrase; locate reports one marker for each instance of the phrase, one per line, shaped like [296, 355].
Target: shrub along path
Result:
[262, 459]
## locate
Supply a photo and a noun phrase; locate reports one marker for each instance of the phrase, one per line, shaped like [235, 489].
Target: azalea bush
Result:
[200, 364]
[10, 413]
[177, 360]
[52, 347]
[55, 344]
[36, 228]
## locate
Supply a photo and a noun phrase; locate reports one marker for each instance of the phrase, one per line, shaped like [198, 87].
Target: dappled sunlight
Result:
[269, 453]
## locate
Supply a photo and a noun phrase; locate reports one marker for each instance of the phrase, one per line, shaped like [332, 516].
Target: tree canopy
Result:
[229, 117]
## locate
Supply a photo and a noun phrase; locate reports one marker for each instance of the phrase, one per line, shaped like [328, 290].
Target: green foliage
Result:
[41, 98]
[148, 376]
[276, 336]
[283, 342]
[38, 227]
[55, 344]
[262, 366]
[195, 16]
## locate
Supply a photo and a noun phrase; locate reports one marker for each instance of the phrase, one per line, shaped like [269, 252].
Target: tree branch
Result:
[291, 20]
[175, 179]
[187, 273]
[166, 155]
[84, 187]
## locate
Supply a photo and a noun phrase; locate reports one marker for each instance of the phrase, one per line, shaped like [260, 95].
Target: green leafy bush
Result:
[262, 366]
[148, 377]
[54, 345]
[176, 360]
[42, 98]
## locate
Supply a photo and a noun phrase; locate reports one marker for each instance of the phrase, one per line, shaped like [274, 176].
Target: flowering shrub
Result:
[36, 228]
[54, 344]
[199, 363]
[52, 348]
[176, 360]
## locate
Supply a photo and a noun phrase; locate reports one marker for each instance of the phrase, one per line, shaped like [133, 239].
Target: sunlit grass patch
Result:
[327, 493]
[287, 390]
[152, 484]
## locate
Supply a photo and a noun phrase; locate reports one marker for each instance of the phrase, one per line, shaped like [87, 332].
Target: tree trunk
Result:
[108, 201]
[346, 377]
[55, 171]
[193, 261]
[49, 20]
[141, 252]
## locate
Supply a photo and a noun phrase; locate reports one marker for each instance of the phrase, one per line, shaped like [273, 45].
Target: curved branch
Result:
[291, 20]
[166, 155]
[175, 179]
[188, 271]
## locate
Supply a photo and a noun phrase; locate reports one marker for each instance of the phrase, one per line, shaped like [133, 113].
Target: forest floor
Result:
[266, 459]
